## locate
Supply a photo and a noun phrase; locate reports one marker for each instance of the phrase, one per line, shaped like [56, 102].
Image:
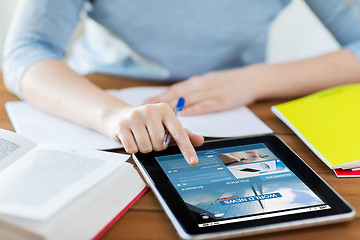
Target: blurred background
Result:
[295, 34]
[7, 8]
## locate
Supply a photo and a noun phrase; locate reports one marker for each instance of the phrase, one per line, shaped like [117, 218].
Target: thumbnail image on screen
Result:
[238, 184]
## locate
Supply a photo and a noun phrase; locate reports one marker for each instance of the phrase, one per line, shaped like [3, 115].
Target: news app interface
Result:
[238, 184]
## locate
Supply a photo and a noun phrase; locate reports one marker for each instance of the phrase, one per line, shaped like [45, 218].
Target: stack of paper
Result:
[328, 122]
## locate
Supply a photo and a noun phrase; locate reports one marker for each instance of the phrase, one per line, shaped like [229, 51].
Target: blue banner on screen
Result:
[236, 200]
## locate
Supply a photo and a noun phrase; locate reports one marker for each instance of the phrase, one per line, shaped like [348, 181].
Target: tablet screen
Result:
[239, 183]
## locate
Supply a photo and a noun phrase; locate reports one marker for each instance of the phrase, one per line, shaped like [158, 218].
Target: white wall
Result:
[7, 8]
[295, 34]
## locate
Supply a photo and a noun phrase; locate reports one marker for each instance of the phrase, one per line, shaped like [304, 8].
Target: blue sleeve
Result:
[342, 19]
[40, 29]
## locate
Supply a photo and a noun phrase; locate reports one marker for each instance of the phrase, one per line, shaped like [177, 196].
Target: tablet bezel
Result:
[183, 219]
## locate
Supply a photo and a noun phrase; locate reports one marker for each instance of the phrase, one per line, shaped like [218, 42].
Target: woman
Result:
[212, 50]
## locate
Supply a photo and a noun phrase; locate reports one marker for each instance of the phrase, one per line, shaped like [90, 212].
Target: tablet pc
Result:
[240, 187]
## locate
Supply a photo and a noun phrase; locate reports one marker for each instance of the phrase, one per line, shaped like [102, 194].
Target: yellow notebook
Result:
[328, 122]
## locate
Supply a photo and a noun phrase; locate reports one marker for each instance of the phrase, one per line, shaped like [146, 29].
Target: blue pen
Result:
[179, 106]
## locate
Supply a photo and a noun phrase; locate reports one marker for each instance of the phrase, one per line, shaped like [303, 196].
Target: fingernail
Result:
[192, 161]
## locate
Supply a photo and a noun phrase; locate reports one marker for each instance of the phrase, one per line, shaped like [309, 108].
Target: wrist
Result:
[112, 117]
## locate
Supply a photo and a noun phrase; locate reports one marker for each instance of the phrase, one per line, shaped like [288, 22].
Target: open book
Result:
[328, 122]
[42, 127]
[53, 191]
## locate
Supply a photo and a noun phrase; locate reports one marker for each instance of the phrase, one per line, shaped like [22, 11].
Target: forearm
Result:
[310, 75]
[53, 87]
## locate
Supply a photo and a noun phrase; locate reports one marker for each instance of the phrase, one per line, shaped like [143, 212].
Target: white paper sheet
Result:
[236, 122]
[41, 127]
[44, 128]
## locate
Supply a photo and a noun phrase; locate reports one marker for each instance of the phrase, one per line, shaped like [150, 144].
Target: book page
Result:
[237, 122]
[50, 176]
[12, 147]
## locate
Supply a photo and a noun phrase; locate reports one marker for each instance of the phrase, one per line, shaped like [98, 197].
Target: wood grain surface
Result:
[147, 220]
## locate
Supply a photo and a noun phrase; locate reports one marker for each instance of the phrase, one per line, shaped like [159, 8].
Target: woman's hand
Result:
[143, 129]
[216, 91]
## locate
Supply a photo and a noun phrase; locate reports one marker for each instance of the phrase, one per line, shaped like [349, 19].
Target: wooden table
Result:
[147, 220]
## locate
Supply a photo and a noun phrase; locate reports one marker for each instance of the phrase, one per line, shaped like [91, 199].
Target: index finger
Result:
[182, 139]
